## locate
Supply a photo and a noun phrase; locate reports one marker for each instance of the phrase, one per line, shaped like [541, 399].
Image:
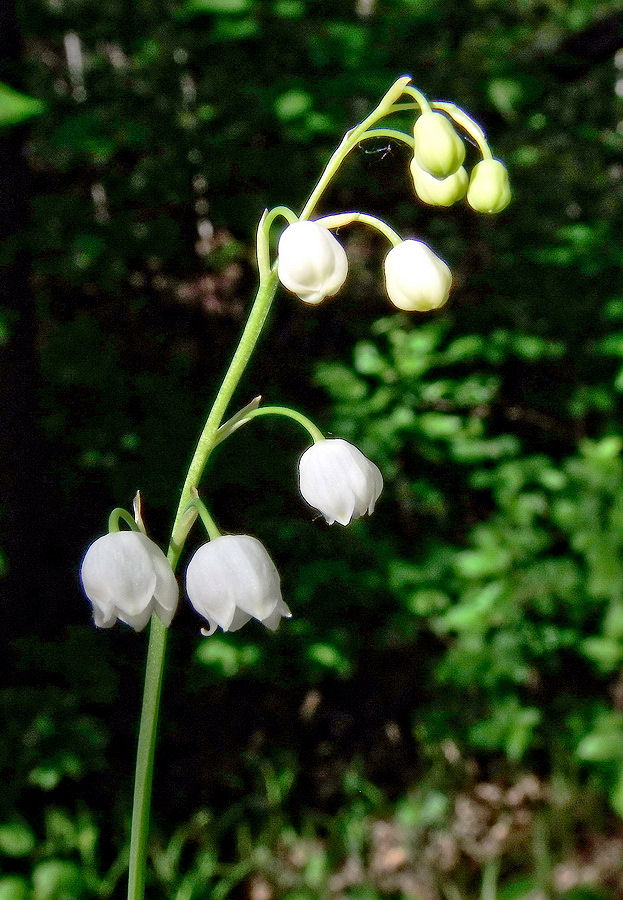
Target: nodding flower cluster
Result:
[313, 264]
[232, 579]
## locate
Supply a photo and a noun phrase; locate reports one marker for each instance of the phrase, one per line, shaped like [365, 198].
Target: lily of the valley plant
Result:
[231, 578]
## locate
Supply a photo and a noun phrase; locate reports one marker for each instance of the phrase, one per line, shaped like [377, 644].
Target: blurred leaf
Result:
[57, 879]
[16, 107]
[16, 839]
[192, 8]
[329, 657]
[225, 658]
[521, 888]
[293, 104]
[605, 742]
[13, 887]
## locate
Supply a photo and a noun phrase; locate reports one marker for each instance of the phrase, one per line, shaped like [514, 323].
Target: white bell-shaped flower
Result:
[416, 278]
[127, 577]
[232, 579]
[339, 481]
[312, 263]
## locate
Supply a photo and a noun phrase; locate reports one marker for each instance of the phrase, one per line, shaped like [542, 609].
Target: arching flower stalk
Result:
[231, 579]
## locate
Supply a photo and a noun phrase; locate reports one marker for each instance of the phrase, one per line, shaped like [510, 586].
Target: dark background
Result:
[443, 716]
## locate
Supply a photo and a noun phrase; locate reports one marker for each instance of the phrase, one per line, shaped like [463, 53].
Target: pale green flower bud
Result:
[438, 191]
[416, 278]
[438, 148]
[489, 189]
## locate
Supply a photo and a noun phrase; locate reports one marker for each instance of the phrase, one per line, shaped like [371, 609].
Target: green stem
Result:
[315, 433]
[208, 522]
[116, 516]
[284, 211]
[419, 98]
[342, 219]
[143, 777]
[392, 133]
[350, 140]
[248, 340]
[467, 123]
[263, 233]
[541, 855]
[490, 875]
[158, 633]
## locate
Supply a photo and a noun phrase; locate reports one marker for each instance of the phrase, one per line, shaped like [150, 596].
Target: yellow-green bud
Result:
[489, 190]
[438, 191]
[438, 148]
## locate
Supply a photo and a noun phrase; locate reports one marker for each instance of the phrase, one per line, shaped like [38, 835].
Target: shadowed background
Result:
[443, 716]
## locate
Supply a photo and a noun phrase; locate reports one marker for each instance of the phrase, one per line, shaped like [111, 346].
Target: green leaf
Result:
[292, 104]
[193, 8]
[616, 794]
[605, 742]
[16, 107]
[329, 657]
[606, 652]
[57, 879]
[518, 889]
[225, 658]
[289, 9]
[12, 887]
[16, 839]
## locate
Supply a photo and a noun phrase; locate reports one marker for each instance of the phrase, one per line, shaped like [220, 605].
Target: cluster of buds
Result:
[230, 579]
[439, 177]
[312, 263]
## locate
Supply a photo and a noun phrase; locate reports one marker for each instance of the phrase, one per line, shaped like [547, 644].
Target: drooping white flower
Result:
[339, 481]
[312, 263]
[126, 576]
[232, 579]
[416, 278]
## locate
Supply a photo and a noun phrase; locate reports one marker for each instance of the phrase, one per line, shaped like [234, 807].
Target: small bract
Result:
[339, 481]
[438, 148]
[126, 576]
[232, 579]
[312, 263]
[438, 191]
[416, 278]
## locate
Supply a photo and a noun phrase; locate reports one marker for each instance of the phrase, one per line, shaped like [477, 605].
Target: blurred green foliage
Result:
[16, 107]
[443, 716]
